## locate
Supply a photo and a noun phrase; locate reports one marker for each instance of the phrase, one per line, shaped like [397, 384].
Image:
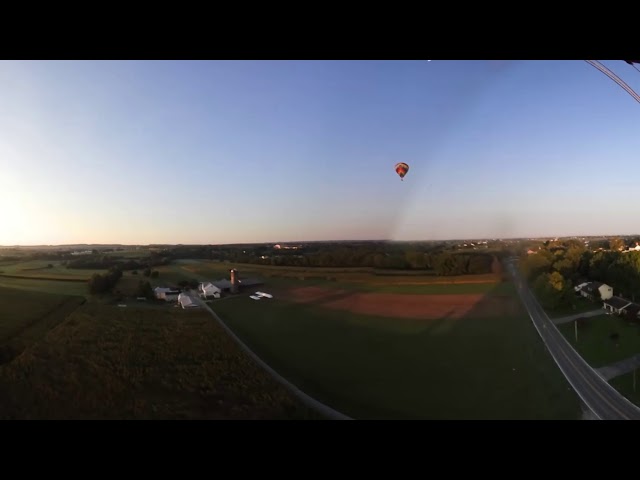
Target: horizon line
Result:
[525, 237]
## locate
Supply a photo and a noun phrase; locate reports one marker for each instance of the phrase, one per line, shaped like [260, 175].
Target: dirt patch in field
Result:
[406, 306]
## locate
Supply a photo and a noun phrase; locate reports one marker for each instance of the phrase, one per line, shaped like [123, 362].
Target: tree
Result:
[144, 290]
[154, 274]
[557, 282]
[616, 244]
[534, 265]
[147, 272]
[553, 291]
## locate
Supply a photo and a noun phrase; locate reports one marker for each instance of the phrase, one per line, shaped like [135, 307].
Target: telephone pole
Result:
[576, 324]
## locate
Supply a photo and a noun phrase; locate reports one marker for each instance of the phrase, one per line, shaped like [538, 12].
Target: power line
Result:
[614, 77]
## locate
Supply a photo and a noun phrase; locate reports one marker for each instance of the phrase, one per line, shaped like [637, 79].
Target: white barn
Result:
[186, 301]
[209, 290]
[166, 294]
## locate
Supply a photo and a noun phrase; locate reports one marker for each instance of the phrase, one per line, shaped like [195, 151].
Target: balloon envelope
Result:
[401, 169]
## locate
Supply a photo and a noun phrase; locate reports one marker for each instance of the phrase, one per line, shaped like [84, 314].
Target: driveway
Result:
[571, 318]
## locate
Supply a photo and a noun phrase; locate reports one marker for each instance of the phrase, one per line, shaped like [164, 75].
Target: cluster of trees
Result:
[466, 264]
[144, 290]
[557, 266]
[100, 283]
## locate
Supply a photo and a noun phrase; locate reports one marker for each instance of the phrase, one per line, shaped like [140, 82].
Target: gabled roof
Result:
[579, 287]
[594, 286]
[224, 283]
[616, 302]
[186, 301]
[632, 309]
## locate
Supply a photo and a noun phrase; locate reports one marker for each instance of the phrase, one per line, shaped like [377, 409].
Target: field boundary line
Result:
[307, 400]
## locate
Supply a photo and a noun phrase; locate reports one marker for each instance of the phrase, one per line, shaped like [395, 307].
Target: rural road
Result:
[602, 399]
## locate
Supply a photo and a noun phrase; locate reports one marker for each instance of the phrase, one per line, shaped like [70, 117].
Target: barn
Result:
[241, 284]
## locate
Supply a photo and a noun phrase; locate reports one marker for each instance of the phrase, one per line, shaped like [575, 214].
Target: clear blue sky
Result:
[217, 152]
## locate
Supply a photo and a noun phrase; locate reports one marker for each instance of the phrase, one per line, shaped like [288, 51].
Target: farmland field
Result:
[104, 362]
[27, 316]
[39, 269]
[372, 346]
[45, 286]
[469, 364]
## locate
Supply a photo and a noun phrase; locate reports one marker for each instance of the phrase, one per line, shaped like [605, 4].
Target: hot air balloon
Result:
[402, 169]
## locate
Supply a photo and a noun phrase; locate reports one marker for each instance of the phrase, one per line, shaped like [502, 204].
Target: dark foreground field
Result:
[103, 362]
[377, 367]
[26, 317]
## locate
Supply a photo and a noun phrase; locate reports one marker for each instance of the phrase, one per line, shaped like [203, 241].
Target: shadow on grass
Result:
[488, 363]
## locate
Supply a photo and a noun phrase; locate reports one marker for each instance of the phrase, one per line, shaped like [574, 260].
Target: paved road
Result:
[603, 400]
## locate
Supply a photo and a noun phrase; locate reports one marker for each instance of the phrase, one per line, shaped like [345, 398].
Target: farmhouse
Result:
[616, 304]
[186, 301]
[166, 294]
[597, 291]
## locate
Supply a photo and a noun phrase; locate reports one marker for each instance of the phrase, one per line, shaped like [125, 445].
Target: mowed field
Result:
[374, 354]
[599, 346]
[40, 269]
[35, 276]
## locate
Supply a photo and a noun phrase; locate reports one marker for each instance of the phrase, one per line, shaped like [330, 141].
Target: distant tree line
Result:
[438, 257]
[99, 262]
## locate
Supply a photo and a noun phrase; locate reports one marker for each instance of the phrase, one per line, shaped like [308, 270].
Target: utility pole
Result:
[634, 380]
[576, 324]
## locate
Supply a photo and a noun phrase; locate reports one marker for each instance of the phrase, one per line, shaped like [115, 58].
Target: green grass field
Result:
[38, 269]
[208, 270]
[594, 342]
[375, 367]
[107, 362]
[624, 384]
[46, 286]
[582, 305]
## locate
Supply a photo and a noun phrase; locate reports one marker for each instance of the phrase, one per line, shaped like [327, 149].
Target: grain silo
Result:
[234, 280]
